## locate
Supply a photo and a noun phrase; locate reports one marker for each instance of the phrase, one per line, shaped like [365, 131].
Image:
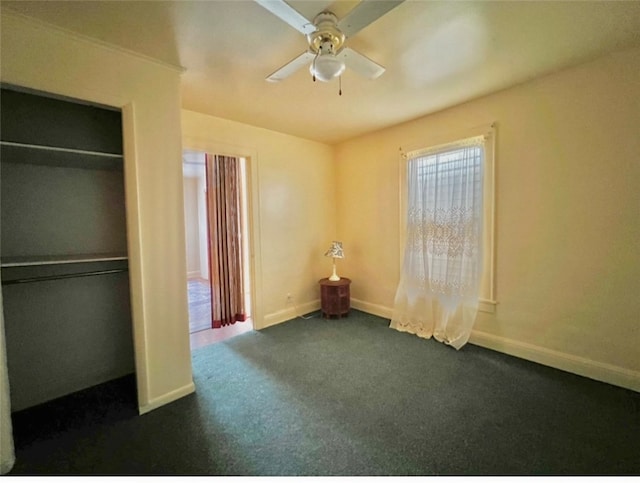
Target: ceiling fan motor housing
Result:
[327, 35]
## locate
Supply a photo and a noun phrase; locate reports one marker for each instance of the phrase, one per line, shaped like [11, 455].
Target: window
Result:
[469, 157]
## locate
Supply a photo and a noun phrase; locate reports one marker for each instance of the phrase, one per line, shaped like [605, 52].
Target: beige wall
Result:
[47, 59]
[192, 229]
[568, 216]
[292, 210]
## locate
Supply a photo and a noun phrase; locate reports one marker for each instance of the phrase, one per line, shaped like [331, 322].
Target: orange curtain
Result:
[225, 242]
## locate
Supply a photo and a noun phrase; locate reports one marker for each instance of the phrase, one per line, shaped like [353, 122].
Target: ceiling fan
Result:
[326, 36]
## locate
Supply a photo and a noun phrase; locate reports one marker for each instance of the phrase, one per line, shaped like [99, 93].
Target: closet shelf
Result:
[21, 153]
[32, 261]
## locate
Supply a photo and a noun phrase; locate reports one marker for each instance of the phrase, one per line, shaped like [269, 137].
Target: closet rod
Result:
[63, 276]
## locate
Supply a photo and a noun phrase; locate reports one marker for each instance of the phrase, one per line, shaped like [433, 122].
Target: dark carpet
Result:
[352, 397]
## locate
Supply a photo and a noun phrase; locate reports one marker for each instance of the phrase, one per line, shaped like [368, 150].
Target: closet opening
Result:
[64, 258]
[217, 246]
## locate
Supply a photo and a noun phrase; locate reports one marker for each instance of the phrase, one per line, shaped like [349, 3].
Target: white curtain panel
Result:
[7, 456]
[440, 279]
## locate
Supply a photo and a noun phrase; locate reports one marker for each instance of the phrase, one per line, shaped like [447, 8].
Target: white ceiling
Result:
[437, 54]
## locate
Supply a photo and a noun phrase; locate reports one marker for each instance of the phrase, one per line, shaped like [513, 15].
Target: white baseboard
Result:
[195, 274]
[379, 310]
[167, 398]
[618, 376]
[600, 371]
[290, 313]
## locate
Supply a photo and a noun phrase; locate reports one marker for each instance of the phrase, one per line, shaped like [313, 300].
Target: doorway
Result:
[198, 252]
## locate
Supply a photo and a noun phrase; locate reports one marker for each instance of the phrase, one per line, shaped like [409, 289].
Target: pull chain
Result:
[314, 66]
[340, 85]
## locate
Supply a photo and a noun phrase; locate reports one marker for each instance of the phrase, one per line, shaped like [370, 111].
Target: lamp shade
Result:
[326, 67]
[335, 250]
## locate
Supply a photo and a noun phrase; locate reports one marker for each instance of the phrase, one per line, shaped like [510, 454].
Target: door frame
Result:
[253, 214]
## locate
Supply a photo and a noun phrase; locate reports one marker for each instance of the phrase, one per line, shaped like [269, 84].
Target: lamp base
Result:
[334, 276]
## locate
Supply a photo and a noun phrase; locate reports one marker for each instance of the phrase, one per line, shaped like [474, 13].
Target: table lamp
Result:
[335, 251]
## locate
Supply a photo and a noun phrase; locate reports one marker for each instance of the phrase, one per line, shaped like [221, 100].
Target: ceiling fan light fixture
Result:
[326, 36]
[326, 67]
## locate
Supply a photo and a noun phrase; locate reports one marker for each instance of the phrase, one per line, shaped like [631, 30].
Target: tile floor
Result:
[200, 317]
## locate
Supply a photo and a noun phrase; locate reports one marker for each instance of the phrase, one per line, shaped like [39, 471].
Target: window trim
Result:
[487, 302]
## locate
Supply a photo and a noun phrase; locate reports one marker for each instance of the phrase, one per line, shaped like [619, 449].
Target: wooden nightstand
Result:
[335, 297]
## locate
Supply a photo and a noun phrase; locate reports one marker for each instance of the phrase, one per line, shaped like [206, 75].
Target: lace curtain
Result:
[440, 279]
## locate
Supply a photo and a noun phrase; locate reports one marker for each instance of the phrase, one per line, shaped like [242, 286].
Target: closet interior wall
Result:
[63, 248]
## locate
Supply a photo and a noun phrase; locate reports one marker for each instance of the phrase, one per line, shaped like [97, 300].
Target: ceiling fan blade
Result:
[366, 12]
[289, 68]
[361, 64]
[285, 12]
